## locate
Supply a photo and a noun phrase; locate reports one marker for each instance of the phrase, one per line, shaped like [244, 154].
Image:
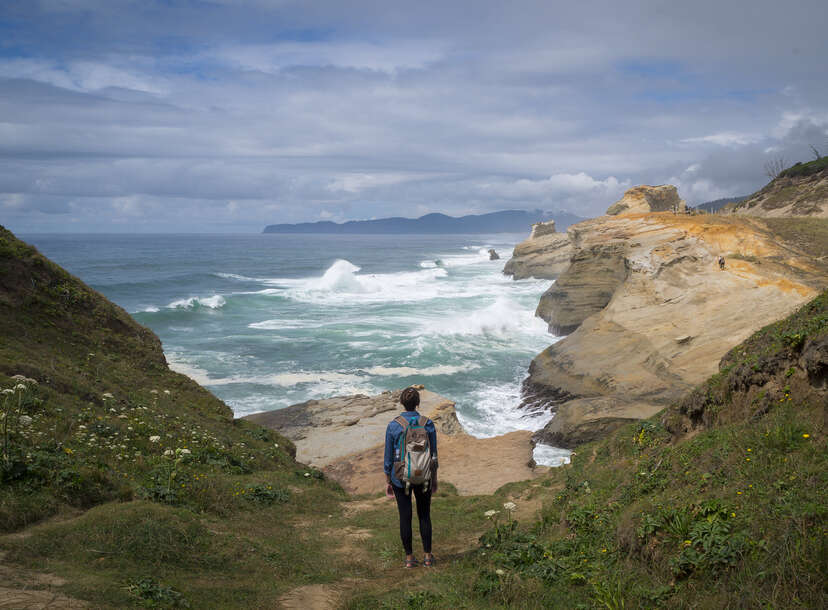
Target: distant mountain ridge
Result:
[508, 221]
[718, 204]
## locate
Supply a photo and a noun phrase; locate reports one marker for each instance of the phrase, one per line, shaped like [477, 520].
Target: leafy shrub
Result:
[153, 594]
[265, 494]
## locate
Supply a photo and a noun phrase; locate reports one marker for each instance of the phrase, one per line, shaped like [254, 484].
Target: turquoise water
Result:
[266, 321]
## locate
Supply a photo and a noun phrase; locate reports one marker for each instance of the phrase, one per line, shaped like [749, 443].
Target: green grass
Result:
[731, 514]
[806, 169]
[155, 494]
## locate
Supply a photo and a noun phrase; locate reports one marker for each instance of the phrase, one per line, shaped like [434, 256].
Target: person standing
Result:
[395, 435]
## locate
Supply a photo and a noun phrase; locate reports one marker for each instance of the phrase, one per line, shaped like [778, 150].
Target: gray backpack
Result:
[414, 452]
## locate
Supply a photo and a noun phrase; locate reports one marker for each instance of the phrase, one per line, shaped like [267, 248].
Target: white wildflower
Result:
[25, 420]
[276, 445]
[81, 427]
[166, 392]
[18, 377]
[153, 391]
[510, 506]
[20, 387]
[307, 474]
[491, 513]
[169, 452]
[183, 451]
[500, 572]
[154, 438]
[8, 391]
[106, 395]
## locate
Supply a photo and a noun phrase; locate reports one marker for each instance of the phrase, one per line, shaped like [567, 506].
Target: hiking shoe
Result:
[410, 563]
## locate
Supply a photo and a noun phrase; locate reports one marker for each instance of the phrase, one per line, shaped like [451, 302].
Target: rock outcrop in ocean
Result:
[648, 313]
[544, 255]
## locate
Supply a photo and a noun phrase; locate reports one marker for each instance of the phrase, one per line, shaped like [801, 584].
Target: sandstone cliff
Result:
[644, 198]
[650, 314]
[801, 190]
[344, 437]
[544, 254]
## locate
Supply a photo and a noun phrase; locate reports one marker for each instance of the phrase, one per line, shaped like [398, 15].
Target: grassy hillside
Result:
[717, 502]
[184, 503]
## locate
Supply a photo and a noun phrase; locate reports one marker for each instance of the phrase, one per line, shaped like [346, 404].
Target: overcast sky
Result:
[226, 115]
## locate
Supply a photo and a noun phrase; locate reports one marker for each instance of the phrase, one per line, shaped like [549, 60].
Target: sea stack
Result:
[645, 199]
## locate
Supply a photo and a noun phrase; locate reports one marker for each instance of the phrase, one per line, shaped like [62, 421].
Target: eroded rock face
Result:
[585, 288]
[648, 335]
[345, 438]
[544, 256]
[644, 199]
[539, 229]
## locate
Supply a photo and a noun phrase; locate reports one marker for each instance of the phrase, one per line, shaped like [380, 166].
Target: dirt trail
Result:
[330, 596]
[17, 591]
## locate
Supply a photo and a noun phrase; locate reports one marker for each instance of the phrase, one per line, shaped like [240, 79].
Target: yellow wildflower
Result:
[806, 435]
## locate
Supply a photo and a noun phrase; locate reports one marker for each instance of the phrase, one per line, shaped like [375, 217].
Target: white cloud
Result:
[222, 114]
[727, 138]
[557, 186]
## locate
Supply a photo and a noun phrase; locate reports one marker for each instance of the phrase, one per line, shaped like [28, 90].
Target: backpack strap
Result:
[401, 421]
[422, 421]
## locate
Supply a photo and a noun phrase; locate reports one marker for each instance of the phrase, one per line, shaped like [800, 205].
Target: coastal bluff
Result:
[344, 437]
[647, 313]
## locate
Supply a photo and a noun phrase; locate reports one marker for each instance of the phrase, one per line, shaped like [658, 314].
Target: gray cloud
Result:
[231, 115]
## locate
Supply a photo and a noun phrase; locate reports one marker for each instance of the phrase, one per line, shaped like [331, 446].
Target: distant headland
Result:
[508, 221]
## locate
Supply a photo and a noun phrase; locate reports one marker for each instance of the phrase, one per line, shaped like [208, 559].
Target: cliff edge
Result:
[648, 314]
[343, 437]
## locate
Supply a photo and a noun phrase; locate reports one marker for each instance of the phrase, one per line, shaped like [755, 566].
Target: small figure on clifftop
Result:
[493, 255]
[721, 263]
[410, 464]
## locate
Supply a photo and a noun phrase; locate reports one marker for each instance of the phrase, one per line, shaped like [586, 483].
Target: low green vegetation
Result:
[685, 510]
[132, 482]
[806, 169]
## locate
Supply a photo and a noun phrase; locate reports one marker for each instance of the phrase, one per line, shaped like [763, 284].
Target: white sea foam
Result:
[428, 371]
[547, 455]
[214, 302]
[289, 379]
[496, 412]
[179, 364]
[342, 283]
[481, 255]
[284, 324]
[150, 309]
[235, 276]
[503, 317]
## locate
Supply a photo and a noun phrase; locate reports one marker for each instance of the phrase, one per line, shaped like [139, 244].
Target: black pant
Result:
[423, 514]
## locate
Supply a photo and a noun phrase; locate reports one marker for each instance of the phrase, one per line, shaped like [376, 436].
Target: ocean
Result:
[266, 321]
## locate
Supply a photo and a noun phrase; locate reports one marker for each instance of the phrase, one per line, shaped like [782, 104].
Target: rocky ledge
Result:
[649, 314]
[344, 437]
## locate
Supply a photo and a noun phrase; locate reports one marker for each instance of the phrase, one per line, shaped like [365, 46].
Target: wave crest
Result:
[214, 302]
